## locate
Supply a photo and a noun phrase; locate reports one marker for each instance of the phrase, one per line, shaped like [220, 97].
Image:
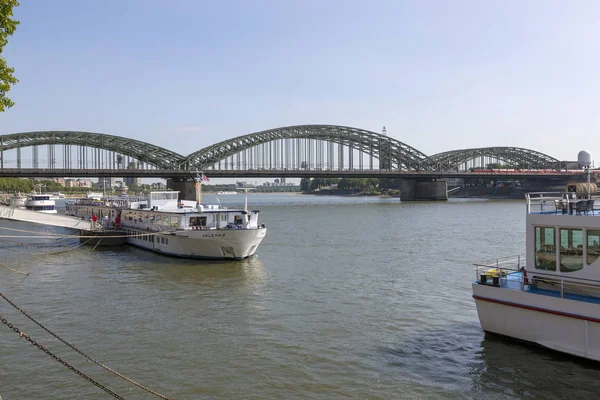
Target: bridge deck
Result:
[64, 221]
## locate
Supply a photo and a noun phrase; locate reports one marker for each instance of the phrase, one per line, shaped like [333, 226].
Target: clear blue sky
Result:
[184, 74]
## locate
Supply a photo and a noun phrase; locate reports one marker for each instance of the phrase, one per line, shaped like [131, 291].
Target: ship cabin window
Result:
[175, 222]
[237, 220]
[571, 249]
[545, 248]
[593, 245]
[165, 196]
[198, 221]
[223, 217]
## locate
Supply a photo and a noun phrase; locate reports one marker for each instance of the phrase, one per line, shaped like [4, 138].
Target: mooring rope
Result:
[82, 353]
[14, 270]
[36, 233]
[57, 358]
[42, 255]
[97, 243]
[45, 235]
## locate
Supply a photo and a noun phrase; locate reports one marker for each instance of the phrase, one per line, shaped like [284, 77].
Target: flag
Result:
[204, 178]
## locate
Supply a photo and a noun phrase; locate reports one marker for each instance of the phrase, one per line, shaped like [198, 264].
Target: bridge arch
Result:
[314, 148]
[516, 157]
[144, 152]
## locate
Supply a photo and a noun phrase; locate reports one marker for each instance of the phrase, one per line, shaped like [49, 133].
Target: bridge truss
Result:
[302, 148]
[309, 147]
[82, 150]
[491, 157]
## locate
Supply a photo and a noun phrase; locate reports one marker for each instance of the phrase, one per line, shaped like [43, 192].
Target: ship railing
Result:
[497, 270]
[502, 272]
[581, 286]
[560, 203]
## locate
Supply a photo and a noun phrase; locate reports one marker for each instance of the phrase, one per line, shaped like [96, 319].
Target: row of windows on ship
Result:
[147, 238]
[164, 220]
[577, 248]
[175, 220]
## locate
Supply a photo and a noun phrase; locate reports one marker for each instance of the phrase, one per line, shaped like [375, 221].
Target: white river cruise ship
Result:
[550, 297]
[183, 228]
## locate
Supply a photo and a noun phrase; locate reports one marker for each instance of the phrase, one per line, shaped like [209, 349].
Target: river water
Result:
[347, 298]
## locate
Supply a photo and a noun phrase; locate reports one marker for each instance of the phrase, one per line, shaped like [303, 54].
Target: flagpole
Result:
[198, 187]
[199, 178]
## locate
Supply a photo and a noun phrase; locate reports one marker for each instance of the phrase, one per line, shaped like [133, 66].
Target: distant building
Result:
[131, 180]
[78, 183]
[107, 182]
[159, 186]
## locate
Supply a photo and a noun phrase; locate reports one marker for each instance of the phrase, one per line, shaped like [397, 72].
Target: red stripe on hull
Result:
[544, 310]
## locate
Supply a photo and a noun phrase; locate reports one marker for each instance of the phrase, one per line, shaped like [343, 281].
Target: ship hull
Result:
[234, 244]
[559, 324]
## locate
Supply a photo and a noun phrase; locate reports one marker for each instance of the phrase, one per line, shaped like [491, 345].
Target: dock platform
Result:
[36, 217]
[103, 238]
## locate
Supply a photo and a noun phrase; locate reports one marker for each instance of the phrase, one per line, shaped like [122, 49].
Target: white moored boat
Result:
[40, 202]
[551, 297]
[183, 228]
[18, 200]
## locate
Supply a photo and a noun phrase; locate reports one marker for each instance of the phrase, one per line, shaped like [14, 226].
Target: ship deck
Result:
[513, 281]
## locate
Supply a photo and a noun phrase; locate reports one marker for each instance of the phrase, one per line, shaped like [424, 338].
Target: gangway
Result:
[36, 217]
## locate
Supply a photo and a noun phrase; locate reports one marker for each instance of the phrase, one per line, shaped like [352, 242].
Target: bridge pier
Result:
[413, 190]
[186, 188]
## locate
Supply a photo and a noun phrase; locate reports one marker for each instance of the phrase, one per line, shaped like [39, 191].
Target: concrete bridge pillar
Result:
[186, 188]
[413, 190]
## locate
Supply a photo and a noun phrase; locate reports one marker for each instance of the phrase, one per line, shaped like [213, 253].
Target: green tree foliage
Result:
[353, 184]
[7, 28]
[304, 184]
[390, 183]
[51, 186]
[14, 185]
[318, 183]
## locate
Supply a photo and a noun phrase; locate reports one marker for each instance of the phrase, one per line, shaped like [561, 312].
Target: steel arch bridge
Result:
[513, 157]
[141, 151]
[303, 148]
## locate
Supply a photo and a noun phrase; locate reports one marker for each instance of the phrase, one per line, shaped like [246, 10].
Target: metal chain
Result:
[57, 358]
[83, 354]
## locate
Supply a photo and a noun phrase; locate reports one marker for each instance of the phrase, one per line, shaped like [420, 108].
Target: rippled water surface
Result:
[349, 298]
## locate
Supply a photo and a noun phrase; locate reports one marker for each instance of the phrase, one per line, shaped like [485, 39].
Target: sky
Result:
[185, 74]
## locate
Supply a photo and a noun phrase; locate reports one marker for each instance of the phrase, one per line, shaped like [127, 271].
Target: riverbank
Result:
[350, 193]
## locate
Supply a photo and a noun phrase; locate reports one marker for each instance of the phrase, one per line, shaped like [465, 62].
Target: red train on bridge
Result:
[531, 171]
